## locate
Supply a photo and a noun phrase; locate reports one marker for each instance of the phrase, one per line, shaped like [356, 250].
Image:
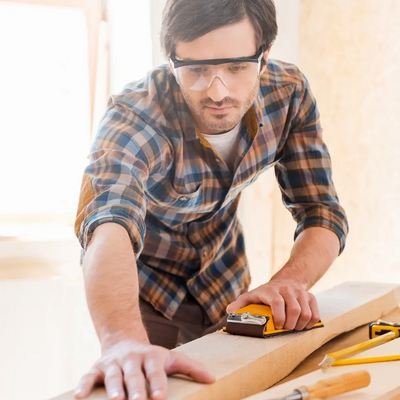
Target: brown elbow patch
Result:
[85, 197]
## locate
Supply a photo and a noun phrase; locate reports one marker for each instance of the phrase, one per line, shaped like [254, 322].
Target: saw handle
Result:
[339, 384]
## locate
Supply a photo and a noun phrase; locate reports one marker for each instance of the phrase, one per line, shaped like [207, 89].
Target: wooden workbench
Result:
[384, 383]
[344, 308]
[348, 339]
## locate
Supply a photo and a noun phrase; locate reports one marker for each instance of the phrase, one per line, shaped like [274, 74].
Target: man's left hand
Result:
[292, 306]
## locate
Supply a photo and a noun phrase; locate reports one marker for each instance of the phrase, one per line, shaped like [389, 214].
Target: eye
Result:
[197, 70]
[235, 68]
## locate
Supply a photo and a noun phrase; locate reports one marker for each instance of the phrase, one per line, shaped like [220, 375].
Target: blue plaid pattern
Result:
[152, 172]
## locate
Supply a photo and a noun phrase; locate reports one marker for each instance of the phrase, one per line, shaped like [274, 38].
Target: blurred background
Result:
[61, 59]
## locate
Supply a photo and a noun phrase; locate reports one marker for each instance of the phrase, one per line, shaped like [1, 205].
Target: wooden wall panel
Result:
[256, 216]
[351, 55]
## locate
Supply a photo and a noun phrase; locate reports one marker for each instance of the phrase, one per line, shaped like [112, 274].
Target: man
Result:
[164, 252]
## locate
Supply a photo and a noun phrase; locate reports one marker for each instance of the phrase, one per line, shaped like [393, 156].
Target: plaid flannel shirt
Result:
[152, 172]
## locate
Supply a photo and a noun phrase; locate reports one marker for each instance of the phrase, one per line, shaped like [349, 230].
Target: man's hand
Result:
[292, 306]
[111, 283]
[137, 365]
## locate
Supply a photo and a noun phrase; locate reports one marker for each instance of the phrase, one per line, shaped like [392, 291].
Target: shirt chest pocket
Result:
[260, 171]
[237, 189]
[264, 166]
[164, 197]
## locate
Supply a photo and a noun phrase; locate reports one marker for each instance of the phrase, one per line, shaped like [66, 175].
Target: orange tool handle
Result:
[339, 384]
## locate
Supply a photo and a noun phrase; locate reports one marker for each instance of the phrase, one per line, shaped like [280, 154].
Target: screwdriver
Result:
[331, 387]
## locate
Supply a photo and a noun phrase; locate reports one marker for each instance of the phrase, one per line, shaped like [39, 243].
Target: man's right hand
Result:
[135, 364]
[128, 358]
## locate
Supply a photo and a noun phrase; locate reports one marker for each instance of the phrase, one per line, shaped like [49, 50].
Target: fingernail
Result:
[157, 393]
[210, 377]
[114, 395]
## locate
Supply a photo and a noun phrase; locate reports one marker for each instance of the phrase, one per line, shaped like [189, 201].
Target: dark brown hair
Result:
[186, 20]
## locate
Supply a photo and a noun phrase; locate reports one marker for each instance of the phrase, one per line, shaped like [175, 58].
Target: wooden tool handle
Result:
[339, 384]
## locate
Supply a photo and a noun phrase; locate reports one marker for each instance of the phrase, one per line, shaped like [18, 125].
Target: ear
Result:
[265, 58]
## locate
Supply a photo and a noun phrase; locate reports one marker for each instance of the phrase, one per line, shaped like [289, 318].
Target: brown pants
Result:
[189, 323]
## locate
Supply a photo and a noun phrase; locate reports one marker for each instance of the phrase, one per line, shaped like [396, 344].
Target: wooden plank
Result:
[384, 377]
[244, 366]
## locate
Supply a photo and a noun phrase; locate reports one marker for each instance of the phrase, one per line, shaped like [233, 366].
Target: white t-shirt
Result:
[226, 144]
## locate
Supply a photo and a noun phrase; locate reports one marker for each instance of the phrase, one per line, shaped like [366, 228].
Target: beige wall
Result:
[350, 53]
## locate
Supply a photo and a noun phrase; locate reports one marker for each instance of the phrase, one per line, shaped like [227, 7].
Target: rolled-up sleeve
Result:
[124, 153]
[304, 173]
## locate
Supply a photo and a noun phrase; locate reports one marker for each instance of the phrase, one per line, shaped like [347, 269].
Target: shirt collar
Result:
[258, 110]
[185, 117]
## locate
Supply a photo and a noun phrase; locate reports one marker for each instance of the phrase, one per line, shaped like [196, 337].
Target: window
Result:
[44, 103]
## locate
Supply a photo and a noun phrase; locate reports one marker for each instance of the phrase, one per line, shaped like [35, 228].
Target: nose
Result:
[217, 90]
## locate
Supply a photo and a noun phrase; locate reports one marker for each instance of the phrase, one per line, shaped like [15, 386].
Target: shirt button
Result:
[183, 198]
[217, 160]
[205, 253]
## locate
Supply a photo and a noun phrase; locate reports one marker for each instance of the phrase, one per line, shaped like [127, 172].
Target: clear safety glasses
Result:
[234, 73]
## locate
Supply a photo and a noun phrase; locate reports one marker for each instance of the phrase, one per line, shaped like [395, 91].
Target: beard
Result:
[221, 123]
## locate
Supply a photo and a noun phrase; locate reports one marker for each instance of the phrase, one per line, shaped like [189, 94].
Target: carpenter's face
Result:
[218, 96]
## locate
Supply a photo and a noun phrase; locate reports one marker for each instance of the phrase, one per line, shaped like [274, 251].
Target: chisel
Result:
[331, 387]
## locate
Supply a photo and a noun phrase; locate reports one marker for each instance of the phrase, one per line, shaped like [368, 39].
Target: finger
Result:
[156, 376]
[113, 382]
[293, 310]
[305, 314]
[134, 380]
[87, 383]
[242, 301]
[179, 363]
[312, 301]
[278, 311]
